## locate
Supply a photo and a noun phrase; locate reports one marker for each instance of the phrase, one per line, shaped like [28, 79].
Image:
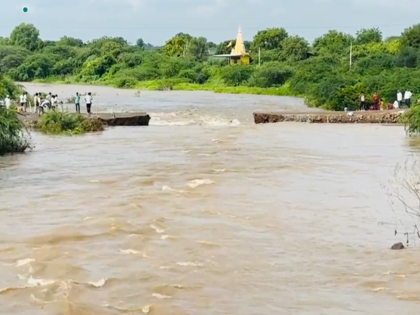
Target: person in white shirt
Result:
[36, 104]
[362, 101]
[21, 103]
[57, 102]
[25, 101]
[53, 101]
[7, 101]
[396, 105]
[407, 98]
[399, 98]
[88, 100]
[49, 98]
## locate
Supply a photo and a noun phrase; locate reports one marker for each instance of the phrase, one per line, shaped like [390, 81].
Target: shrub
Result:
[14, 137]
[411, 121]
[237, 74]
[68, 123]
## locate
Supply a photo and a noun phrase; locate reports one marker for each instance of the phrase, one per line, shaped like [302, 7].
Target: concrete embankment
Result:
[110, 119]
[368, 117]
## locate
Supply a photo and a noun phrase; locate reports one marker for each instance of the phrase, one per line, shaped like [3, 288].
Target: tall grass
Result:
[14, 137]
[59, 123]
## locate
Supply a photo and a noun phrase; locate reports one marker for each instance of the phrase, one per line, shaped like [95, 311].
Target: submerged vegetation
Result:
[320, 71]
[59, 123]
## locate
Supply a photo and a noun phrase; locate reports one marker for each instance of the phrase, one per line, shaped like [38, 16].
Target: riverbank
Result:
[368, 117]
[167, 85]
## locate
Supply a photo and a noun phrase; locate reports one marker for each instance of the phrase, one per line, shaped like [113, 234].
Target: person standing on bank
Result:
[88, 100]
[25, 102]
[36, 103]
[7, 101]
[376, 101]
[21, 103]
[77, 102]
[362, 101]
[399, 98]
[407, 98]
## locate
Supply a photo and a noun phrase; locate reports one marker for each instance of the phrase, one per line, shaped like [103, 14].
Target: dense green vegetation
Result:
[59, 123]
[411, 121]
[289, 64]
[14, 137]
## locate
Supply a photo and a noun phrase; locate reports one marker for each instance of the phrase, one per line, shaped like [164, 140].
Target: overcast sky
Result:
[157, 20]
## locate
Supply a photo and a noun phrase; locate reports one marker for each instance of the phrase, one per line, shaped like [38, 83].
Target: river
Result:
[204, 212]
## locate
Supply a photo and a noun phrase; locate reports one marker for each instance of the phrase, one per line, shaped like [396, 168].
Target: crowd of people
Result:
[378, 103]
[40, 105]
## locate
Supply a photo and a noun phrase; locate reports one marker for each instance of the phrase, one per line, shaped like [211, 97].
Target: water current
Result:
[204, 212]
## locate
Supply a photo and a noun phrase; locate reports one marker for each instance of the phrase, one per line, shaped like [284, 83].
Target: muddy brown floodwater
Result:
[204, 212]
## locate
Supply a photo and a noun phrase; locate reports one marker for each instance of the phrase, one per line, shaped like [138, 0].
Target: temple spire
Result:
[239, 48]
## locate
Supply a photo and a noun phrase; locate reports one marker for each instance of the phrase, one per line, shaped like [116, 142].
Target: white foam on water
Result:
[189, 119]
[158, 230]
[161, 296]
[23, 262]
[167, 188]
[199, 182]
[189, 264]
[99, 283]
[40, 282]
[129, 251]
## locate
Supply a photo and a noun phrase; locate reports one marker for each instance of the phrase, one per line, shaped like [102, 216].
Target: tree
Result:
[25, 35]
[35, 66]
[411, 36]
[225, 47]
[11, 61]
[198, 48]
[271, 38]
[4, 41]
[237, 75]
[333, 42]
[368, 35]
[295, 48]
[70, 41]
[177, 45]
[140, 43]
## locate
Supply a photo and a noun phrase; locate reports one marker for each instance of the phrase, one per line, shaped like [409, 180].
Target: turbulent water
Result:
[204, 212]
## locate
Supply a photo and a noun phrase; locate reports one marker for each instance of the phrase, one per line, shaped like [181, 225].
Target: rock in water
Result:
[397, 246]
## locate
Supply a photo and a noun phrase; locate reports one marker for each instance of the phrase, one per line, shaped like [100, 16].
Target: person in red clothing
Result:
[376, 101]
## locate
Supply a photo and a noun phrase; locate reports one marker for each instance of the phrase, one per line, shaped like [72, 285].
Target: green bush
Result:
[58, 123]
[270, 75]
[411, 121]
[237, 74]
[14, 137]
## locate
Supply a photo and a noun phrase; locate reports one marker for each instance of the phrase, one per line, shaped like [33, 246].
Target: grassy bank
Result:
[176, 85]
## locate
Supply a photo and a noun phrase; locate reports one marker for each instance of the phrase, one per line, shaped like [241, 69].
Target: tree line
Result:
[290, 65]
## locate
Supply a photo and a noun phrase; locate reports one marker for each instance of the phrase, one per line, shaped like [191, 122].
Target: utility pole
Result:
[259, 57]
[351, 55]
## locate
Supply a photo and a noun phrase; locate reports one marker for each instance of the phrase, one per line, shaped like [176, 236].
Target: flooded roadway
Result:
[204, 212]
